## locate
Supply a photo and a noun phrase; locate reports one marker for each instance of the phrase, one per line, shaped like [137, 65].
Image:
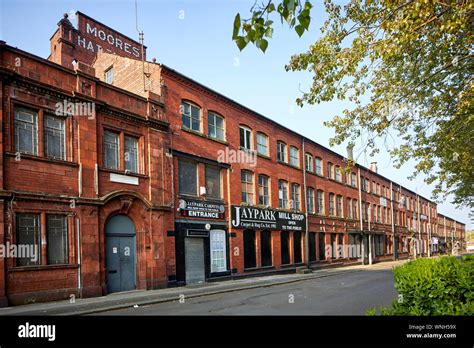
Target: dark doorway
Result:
[297, 246]
[285, 255]
[312, 246]
[266, 248]
[250, 260]
[322, 246]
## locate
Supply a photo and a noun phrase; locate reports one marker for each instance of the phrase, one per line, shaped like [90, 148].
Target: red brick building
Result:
[124, 174]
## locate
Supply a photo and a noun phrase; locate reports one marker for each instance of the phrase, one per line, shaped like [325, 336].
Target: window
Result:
[354, 209]
[111, 150]
[245, 138]
[348, 208]
[218, 251]
[319, 165]
[330, 171]
[109, 75]
[283, 194]
[56, 234]
[379, 214]
[295, 196]
[320, 201]
[213, 182]
[354, 180]
[131, 154]
[187, 177]
[374, 189]
[339, 205]
[348, 179]
[262, 144]
[191, 116]
[215, 126]
[281, 151]
[294, 157]
[367, 185]
[54, 137]
[266, 248]
[309, 162]
[26, 131]
[331, 204]
[338, 174]
[28, 234]
[340, 249]
[247, 186]
[263, 192]
[310, 199]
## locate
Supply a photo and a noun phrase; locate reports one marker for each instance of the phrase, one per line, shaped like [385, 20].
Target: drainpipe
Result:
[419, 225]
[429, 230]
[306, 237]
[360, 215]
[370, 236]
[395, 245]
[230, 224]
[78, 238]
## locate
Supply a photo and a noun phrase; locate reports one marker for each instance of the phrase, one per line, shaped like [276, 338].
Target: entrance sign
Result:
[201, 209]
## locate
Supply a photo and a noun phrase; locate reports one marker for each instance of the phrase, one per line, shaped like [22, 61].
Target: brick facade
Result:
[387, 220]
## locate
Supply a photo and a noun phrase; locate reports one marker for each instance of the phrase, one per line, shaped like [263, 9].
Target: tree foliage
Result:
[406, 67]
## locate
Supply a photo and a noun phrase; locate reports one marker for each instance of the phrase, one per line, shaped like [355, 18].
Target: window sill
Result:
[264, 156]
[43, 159]
[122, 172]
[193, 132]
[40, 268]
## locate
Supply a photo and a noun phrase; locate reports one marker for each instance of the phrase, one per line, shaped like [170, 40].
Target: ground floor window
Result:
[28, 234]
[297, 246]
[266, 248]
[57, 241]
[218, 251]
[379, 241]
[312, 246]
[322, 246]
[285, 254]
[333, 245]
[249, 249]
[340, 246]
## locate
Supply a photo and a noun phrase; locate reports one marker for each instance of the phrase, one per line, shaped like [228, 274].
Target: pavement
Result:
[373, 276]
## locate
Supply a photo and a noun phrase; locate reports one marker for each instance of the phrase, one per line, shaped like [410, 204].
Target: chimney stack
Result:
[373, 167]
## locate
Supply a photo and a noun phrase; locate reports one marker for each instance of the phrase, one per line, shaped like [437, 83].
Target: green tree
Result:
[406, 67]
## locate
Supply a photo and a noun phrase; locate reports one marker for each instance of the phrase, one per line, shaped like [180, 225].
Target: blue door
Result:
[120, 254]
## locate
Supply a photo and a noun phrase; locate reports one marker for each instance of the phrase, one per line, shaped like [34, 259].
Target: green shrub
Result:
[442, 286]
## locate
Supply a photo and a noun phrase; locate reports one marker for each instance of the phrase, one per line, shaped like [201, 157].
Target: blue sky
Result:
[194, 37]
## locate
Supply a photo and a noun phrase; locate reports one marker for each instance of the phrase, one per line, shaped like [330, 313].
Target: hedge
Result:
[441, 286]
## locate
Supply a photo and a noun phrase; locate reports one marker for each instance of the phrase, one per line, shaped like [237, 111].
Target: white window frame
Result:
[294, 160]
[215, 116]
[220, 252]
[247, 140]
[260, 136]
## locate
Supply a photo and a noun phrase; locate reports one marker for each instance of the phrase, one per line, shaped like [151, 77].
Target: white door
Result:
[218, 251]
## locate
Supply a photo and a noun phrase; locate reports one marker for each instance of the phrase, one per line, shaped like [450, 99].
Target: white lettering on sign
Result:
[111, 39]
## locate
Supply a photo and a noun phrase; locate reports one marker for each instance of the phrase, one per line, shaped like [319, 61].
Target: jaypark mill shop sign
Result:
[262, 218]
